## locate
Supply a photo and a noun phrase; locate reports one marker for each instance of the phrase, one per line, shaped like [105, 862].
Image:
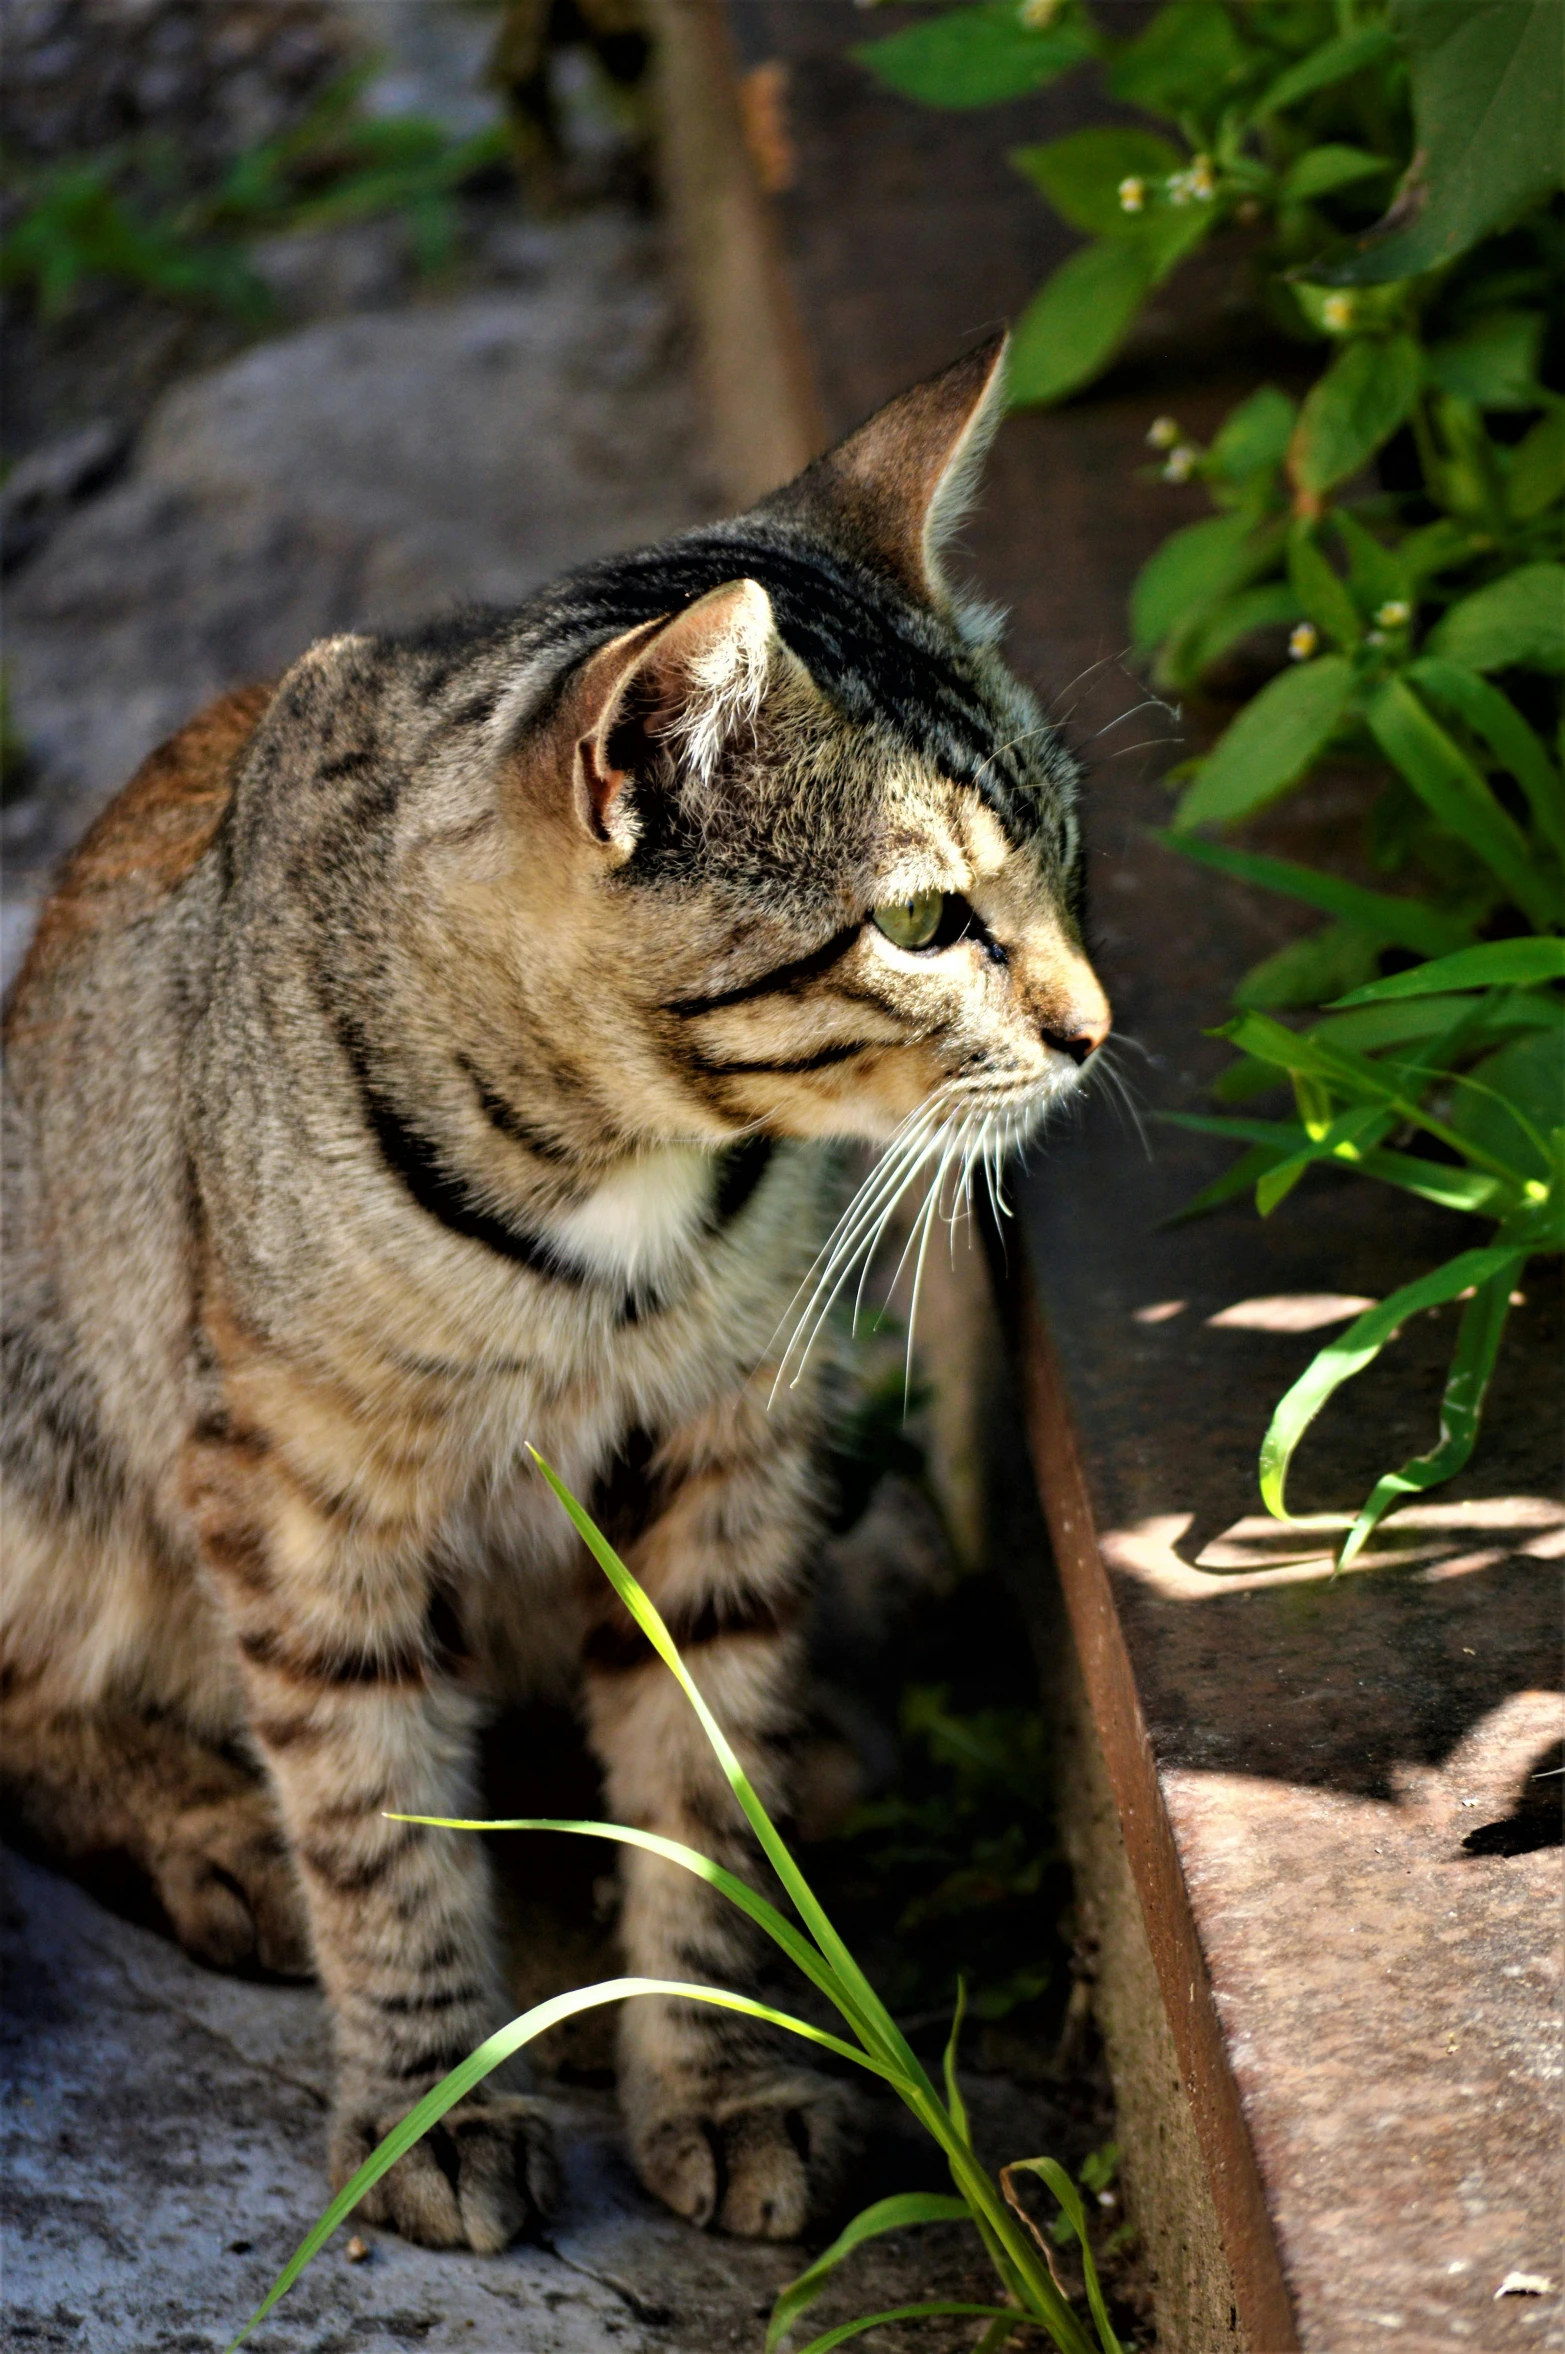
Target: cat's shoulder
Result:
[149, 838]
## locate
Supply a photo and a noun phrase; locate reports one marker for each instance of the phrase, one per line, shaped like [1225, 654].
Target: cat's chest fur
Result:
[643, 1222]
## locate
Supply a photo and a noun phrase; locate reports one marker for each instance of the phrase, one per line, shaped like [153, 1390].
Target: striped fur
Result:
[446, 1051]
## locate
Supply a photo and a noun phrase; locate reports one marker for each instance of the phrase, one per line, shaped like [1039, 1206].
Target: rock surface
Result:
[366, 470]
[165, 2156]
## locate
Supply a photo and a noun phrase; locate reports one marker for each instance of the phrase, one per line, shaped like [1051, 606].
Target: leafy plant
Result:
[1387, 550]
[1021, 2260]
[1291, 121]
[128, 216]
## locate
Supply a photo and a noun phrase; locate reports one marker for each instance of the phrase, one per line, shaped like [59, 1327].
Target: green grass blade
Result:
[887, 2049]
[800, 1952]
[1471, 1190]
[1494, 963]
[1246, 1170]
[930, 2312]
[1281, 1135]
[1352, 1350]
[893, 2214]
[954, 2101]
[1065, 2191]
[883, 2027]
[498, 2048]
[1461, 1410]
[1402, 923]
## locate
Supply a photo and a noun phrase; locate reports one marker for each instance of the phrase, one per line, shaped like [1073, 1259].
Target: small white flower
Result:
[1374, 637]
[1337, 313]
[1162, 433]
[1132, 195]
[1203, 180]
[1180, 188]
[1396, 613]
[1303, 642]
[1180, 463]
[1037, 15]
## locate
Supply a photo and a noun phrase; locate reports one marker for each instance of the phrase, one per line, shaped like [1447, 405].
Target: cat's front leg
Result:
[723, 2123]
[355, 1722]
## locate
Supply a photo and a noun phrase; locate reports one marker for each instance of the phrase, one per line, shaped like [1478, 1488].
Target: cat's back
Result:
[97, 1248]
[127, 866]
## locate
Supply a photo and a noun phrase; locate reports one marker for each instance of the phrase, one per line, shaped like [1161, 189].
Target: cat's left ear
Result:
[678, 690]
[897, 489]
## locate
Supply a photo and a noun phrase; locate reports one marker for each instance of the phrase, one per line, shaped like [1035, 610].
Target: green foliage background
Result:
[1389, 547]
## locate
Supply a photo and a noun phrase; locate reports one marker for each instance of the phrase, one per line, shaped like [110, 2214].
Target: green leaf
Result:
[1448, 784]
[1254, 436]
[1436, 548]
[1076, 322]
[490, 2054]
[1514, 744]
[1401, 923]
[1513, 1099]
[1233, 1181]
[1352, 1350]
[893, 2214]
[1488, 110]
[1536, 477]
[1346, 1138]
[1307, 972]
[1435, 1181]
[1332, 62]
[1321, 592]
[1454, 790]
[1461, 1409]
[1495, 963]
[1274, 606]
[882, 2029]
[1275, 738]
[1351, 411]
[1518, 619]
[1495, 364]
[689, 1859]
[1379, 575]
[1065, 2191]
[1189, 61]
[1081, 174]
[1320, 170]
[1193, 568]
[975, 56]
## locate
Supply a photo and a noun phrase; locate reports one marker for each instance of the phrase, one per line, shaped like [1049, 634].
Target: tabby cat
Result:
[444, 1050]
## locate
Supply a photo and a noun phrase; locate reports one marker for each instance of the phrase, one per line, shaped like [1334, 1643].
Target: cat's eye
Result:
[911, 923]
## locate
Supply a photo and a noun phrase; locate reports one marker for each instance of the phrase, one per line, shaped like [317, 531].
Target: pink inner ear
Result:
[596, 787]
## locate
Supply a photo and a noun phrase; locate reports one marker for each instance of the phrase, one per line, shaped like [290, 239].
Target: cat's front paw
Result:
[225, 1878]
[755, 2159]
[479, 2179]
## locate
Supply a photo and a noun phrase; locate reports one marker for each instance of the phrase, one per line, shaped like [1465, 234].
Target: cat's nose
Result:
[1078, 1044]
[1079, 1026]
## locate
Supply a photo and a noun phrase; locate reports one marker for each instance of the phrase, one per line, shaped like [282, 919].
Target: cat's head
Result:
[811, 843]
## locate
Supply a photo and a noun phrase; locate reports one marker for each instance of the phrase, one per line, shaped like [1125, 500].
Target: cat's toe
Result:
[757, 2162]
[226, 1880]
[479, 2179]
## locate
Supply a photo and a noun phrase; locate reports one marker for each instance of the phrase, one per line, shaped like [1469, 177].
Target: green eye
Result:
[912, 923]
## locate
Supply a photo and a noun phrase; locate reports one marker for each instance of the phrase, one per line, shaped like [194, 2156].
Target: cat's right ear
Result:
[677, 690]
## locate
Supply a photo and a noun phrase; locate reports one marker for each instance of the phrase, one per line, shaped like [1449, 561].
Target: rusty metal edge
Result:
[1238, 2196]
[760, 391]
